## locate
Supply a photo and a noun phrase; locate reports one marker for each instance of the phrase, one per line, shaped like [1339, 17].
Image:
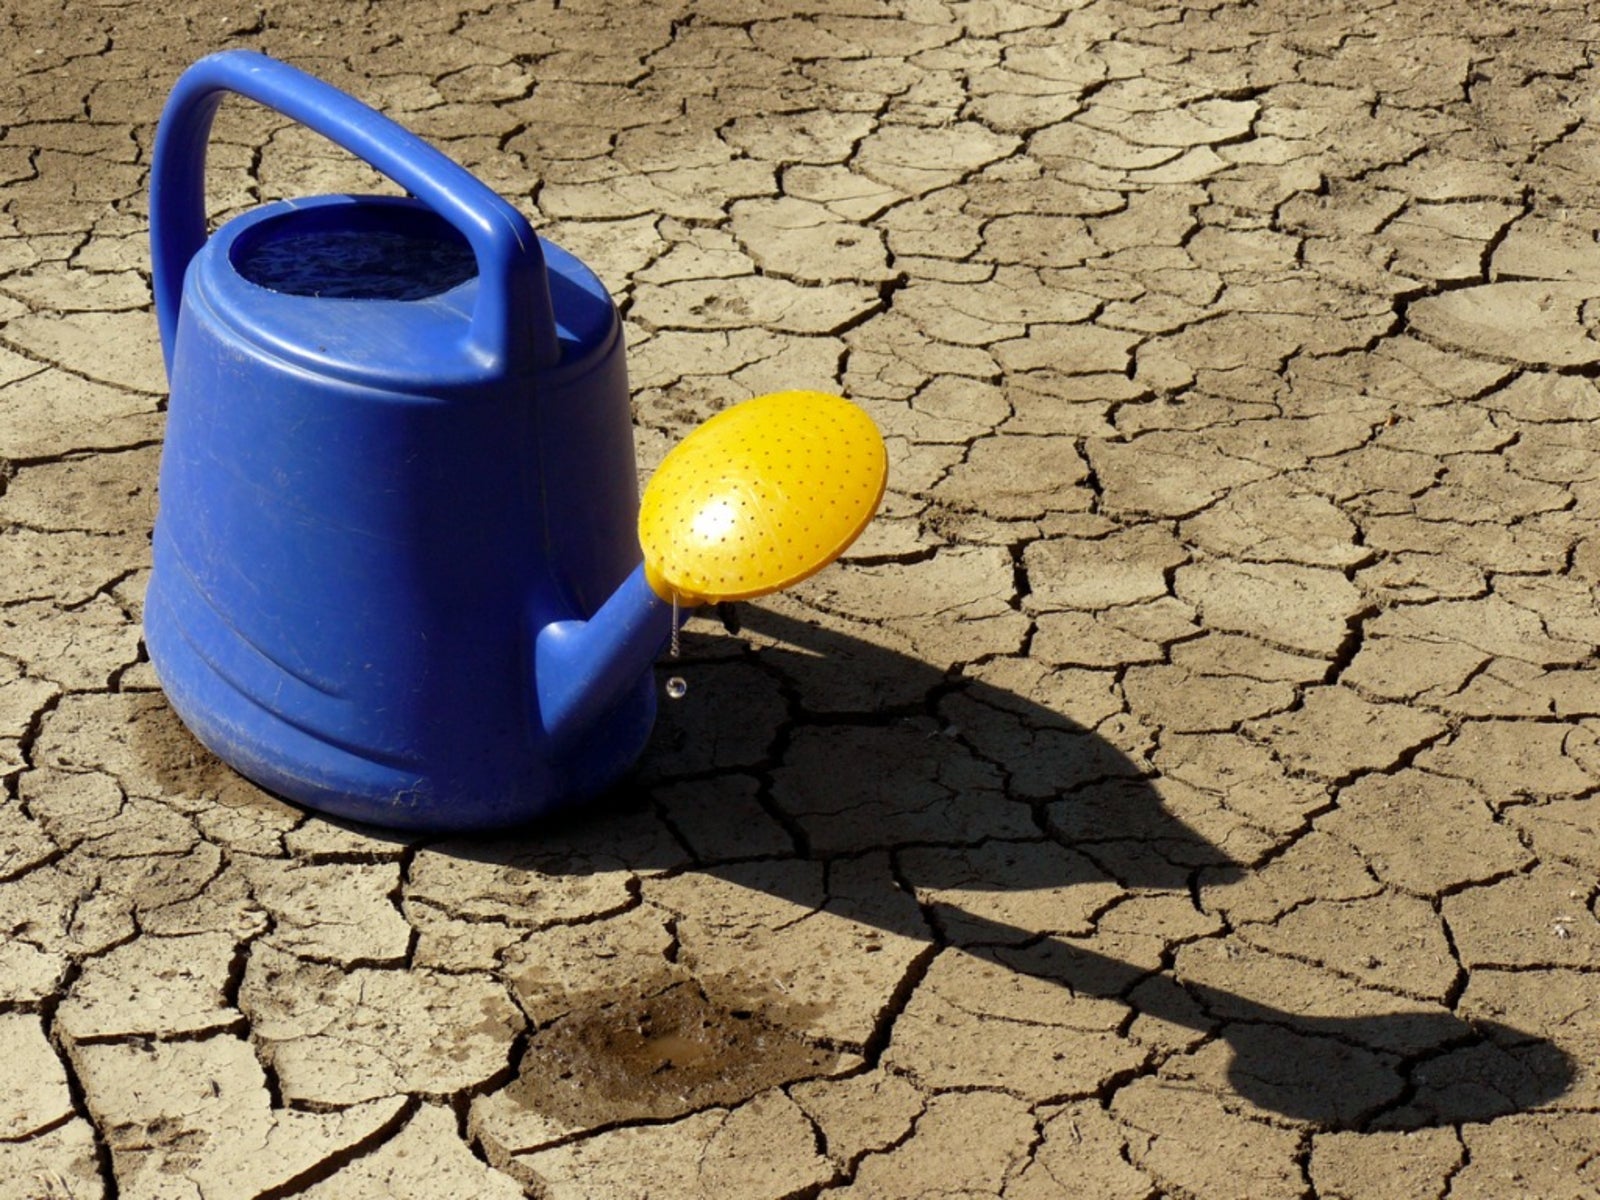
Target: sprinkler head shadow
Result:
[1390, 1069]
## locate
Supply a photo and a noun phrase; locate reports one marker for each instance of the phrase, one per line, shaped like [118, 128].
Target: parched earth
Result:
[1185, 789]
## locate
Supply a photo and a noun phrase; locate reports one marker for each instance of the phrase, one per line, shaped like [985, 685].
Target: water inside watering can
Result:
[358, 264]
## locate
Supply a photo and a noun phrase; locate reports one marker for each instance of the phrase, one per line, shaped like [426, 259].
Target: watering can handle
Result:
[513, 325]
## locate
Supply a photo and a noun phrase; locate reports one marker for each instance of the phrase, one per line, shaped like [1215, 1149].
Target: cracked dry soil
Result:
[1187, 787]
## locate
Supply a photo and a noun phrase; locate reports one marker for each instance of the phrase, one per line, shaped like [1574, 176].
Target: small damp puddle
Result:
[659, 1057]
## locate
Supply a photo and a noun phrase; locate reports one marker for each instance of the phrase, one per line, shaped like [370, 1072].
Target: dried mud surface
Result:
[1185, 789]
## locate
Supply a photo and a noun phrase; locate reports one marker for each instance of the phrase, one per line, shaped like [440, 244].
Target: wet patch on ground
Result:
[662, 1056]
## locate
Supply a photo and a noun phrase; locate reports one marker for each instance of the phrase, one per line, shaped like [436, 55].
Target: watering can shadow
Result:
[397, 564]
[1399, 1069]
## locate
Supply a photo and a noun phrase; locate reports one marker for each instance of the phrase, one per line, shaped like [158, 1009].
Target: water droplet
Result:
[677, 688]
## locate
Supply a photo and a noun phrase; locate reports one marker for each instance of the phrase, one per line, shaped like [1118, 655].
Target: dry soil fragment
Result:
[336, 912]
[917, 160]
[1547, 396]
[817, 137]
[78, 648]
[201, 1112]
[1006, 892]
[117, 348]
[890, 354]
[722, 818]
[1092, 574]
[97, 493]
[58, 1165]
[854, 197]
[752, 300]
[1539, 324]
[1394, 821]
[33, 1091]
[337, 1037]
[955, 606]
[1335, 734]
[956, 410]
[1199, 124]
[1489, 545]
[1179, 701]
[29, 975]
[66, 567]
[1048, 403]
[804, 241]
[150, 882]
[1485, 488]
[24, 842]
[424, 1160]
[1184, 1139]
[1040, 240]
[1562, 830]
[1018, 692]
[155, 987]
[1402, 1166]
[225, 905]
[1561, 453]
[1540, 248]
[89, 812]
[1566, 604]
[764, 1150]
[61, 909]
[1537, 1154]
[1080, 639]
[1236, 982]
[1508, 688]
[1011, 477]
[137, 739]
[1403, 668]
[1317, 866]
[1048, 750]
[55, 413]
[319, 837]
[1303, 608]
[586, 191]
[860, 1114]
[1083, 1152]
[566, 877]
[976, 1022]
[1391, 941]
[1511, 759]
[1416, 578]
[21, 701]
[1152, 833]
[1070, 350]
[1249, 778]
[1271, 522]
[1534, 920]
[964, 1144]
[698, 737]
[1300, 1070]
[1006, 305]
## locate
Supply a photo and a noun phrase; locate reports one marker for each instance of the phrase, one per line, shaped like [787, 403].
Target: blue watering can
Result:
[401, 571]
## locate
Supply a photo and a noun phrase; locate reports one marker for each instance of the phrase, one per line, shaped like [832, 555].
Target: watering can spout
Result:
[583, 669]
[758, 498]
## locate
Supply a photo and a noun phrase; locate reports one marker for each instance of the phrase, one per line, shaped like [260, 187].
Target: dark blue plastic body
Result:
[372, 507]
